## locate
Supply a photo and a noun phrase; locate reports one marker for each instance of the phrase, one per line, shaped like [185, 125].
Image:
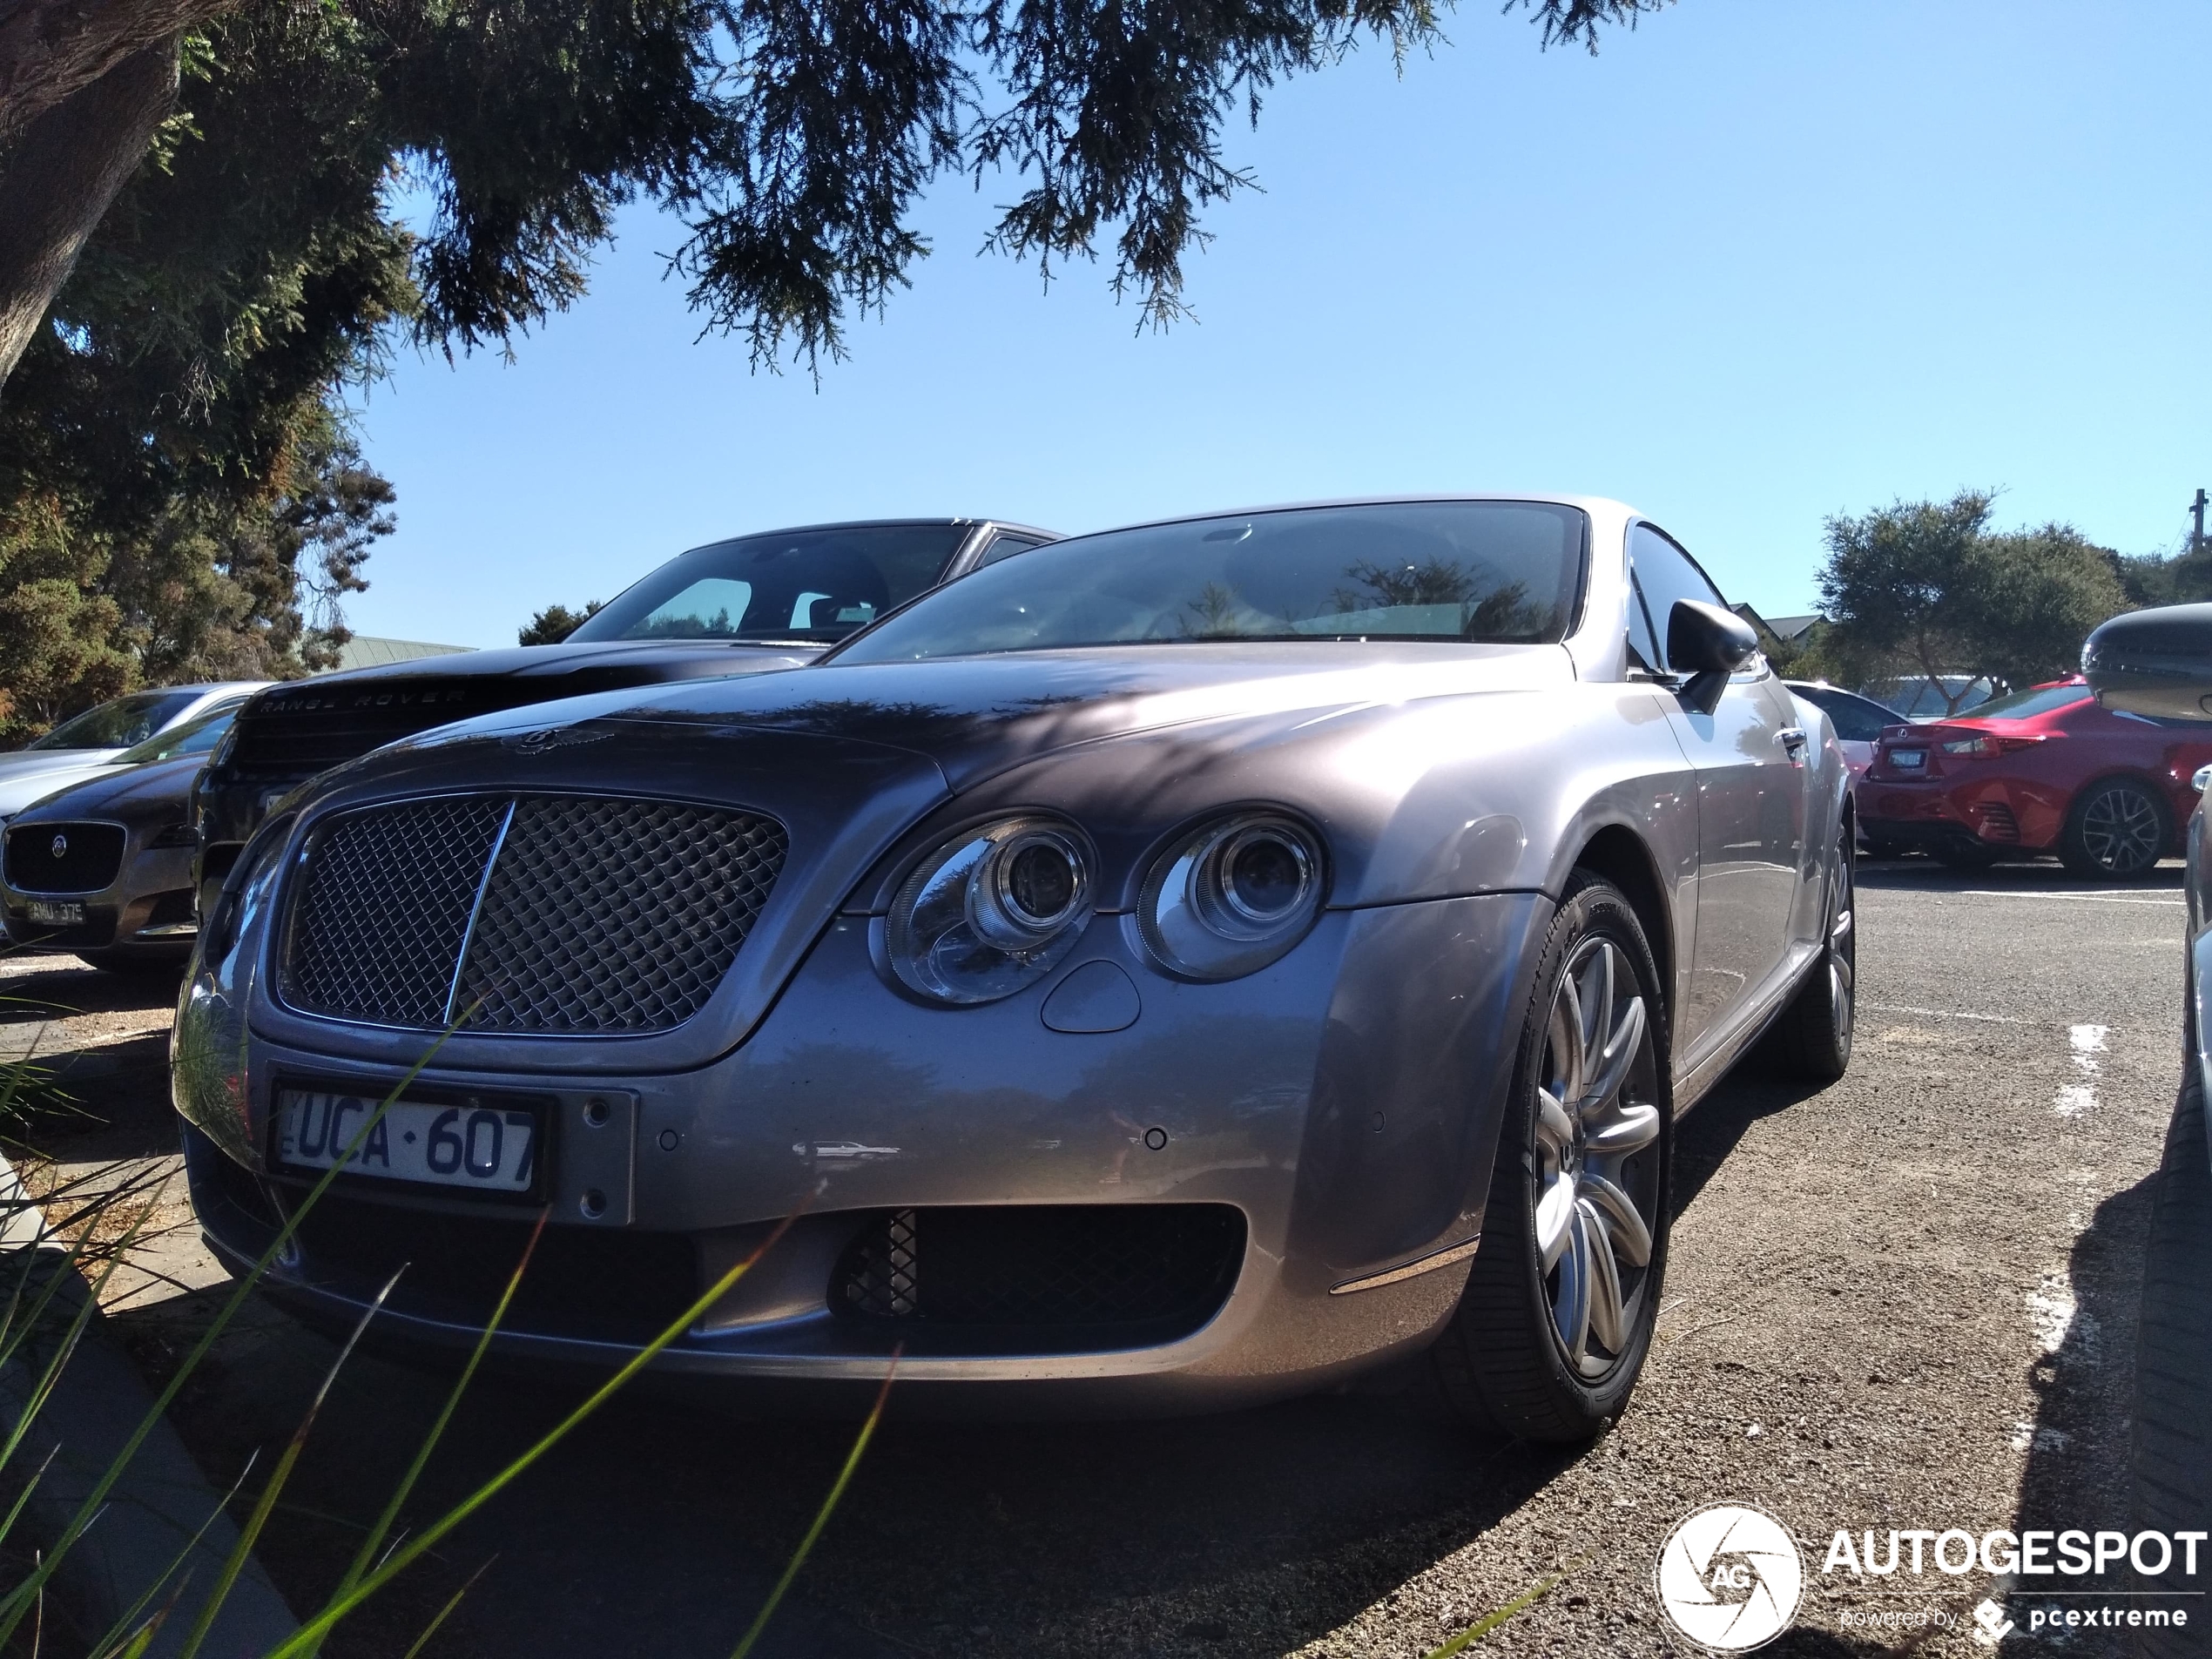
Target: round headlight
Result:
[994, 909]
[1231, 897]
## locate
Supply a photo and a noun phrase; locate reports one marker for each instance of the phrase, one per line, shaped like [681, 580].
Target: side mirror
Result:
[2156, 663]
[1708, 643]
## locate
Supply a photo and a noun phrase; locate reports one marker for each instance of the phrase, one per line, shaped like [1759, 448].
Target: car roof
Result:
[1600, 505]
[950, 522]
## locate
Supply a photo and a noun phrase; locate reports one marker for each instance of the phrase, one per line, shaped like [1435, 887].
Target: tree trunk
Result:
[50, 50]
[58, 177]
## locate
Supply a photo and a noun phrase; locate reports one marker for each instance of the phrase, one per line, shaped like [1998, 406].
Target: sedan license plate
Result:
[480, 1147]
[49, 913]
[1909, 759]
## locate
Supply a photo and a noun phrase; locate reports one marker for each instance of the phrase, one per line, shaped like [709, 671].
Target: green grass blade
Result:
[822, 1515]
[248, 1534]
[1489, 1622]
[382, 1529]
[311, 1634]
[452, 1602]
[18, 1600]
[126, 1625]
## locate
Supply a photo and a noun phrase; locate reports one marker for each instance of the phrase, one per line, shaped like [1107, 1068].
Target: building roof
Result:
[366, 651]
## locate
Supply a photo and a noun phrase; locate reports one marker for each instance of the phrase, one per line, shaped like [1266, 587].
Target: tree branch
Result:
[58, 177]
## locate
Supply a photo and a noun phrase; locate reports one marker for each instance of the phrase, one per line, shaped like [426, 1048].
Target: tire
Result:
[1551, 1352]
[2116, 830]
[1812, 1038]
[2171, 1457]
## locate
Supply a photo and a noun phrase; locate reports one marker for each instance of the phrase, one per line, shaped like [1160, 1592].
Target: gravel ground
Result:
[1906, 1301]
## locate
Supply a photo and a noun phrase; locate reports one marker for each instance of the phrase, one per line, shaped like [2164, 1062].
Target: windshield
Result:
[2021, 705]
[195, 737]
[119, 723]
[1474, 572]
[802, 584]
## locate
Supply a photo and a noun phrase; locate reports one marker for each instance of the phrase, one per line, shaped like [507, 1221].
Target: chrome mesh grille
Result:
[553, 914]
[381, 919]
[615, 916]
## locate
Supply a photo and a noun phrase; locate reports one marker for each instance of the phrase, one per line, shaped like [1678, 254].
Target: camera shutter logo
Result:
[1730, 1577]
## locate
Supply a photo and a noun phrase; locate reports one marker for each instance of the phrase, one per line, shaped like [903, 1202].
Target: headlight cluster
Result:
[246, 889]
[1231, 897]
[999, 906]
[991, 911]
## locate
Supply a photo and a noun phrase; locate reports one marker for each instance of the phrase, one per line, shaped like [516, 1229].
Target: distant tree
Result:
[1899, 590]
[556, 623]
[2039, 592]
[2153, 579]
[1924, 590]
[202, 588]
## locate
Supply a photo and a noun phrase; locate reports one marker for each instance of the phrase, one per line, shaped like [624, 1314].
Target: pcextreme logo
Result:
[1730, 1578]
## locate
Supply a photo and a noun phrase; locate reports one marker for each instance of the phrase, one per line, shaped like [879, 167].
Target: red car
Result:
[2047, 769]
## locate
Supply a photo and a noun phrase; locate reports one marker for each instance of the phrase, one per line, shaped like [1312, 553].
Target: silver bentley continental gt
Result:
[1180, 966]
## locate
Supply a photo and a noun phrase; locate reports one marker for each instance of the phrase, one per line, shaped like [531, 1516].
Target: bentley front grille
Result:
[556, 915]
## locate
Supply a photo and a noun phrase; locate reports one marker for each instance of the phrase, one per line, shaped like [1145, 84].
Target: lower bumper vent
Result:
[609, 1285]
[1164, 1268]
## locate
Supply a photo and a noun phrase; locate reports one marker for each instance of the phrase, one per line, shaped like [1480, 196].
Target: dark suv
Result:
[746, 606]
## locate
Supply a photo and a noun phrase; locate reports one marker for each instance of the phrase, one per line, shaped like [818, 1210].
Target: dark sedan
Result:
[749, 605]
[102, 868]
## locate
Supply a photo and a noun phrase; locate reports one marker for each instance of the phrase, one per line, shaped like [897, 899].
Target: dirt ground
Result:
[1906, 1301]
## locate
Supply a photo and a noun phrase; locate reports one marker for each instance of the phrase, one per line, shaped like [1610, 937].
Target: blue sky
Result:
[1758, 262]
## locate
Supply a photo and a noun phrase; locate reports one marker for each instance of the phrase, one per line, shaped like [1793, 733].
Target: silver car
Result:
[83, 747]
[1183, 965]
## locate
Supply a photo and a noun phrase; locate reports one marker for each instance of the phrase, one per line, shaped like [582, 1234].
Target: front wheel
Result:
[2117, 830]
[1812, 1038]
[1553, 1326]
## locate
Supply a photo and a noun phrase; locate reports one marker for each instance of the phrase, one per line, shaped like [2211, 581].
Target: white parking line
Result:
[1940, 1014]
[2088, 1042]
[2084, 897]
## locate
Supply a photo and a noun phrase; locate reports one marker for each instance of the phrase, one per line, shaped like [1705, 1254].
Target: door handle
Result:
[1793, 739]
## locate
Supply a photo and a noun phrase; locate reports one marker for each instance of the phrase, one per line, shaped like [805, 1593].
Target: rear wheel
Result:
[1812, 1038]
[1551, 1329]
[2117, 829]
[2173, 1416]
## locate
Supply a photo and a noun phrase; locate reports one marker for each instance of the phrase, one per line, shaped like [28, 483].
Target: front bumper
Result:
[1343, 1104]
[146, 911]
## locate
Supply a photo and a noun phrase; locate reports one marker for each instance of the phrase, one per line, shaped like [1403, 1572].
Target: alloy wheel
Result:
[1596, 1203]
[1843, 948]
[2120, 830]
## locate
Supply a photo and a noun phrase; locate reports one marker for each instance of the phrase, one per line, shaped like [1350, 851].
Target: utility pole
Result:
[2196, 514]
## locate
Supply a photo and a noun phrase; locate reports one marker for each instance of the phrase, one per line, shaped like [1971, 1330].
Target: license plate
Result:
[49, 914]
[478, 1148]
[1909, 759]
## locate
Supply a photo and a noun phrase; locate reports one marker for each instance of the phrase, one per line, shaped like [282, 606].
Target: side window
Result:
[1664, 574]
[1005, 547]
[1643, 651]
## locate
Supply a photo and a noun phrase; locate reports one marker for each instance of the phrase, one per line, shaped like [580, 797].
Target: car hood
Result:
[22, 785]
[974, 716]
[630, 661]
[157, 789]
